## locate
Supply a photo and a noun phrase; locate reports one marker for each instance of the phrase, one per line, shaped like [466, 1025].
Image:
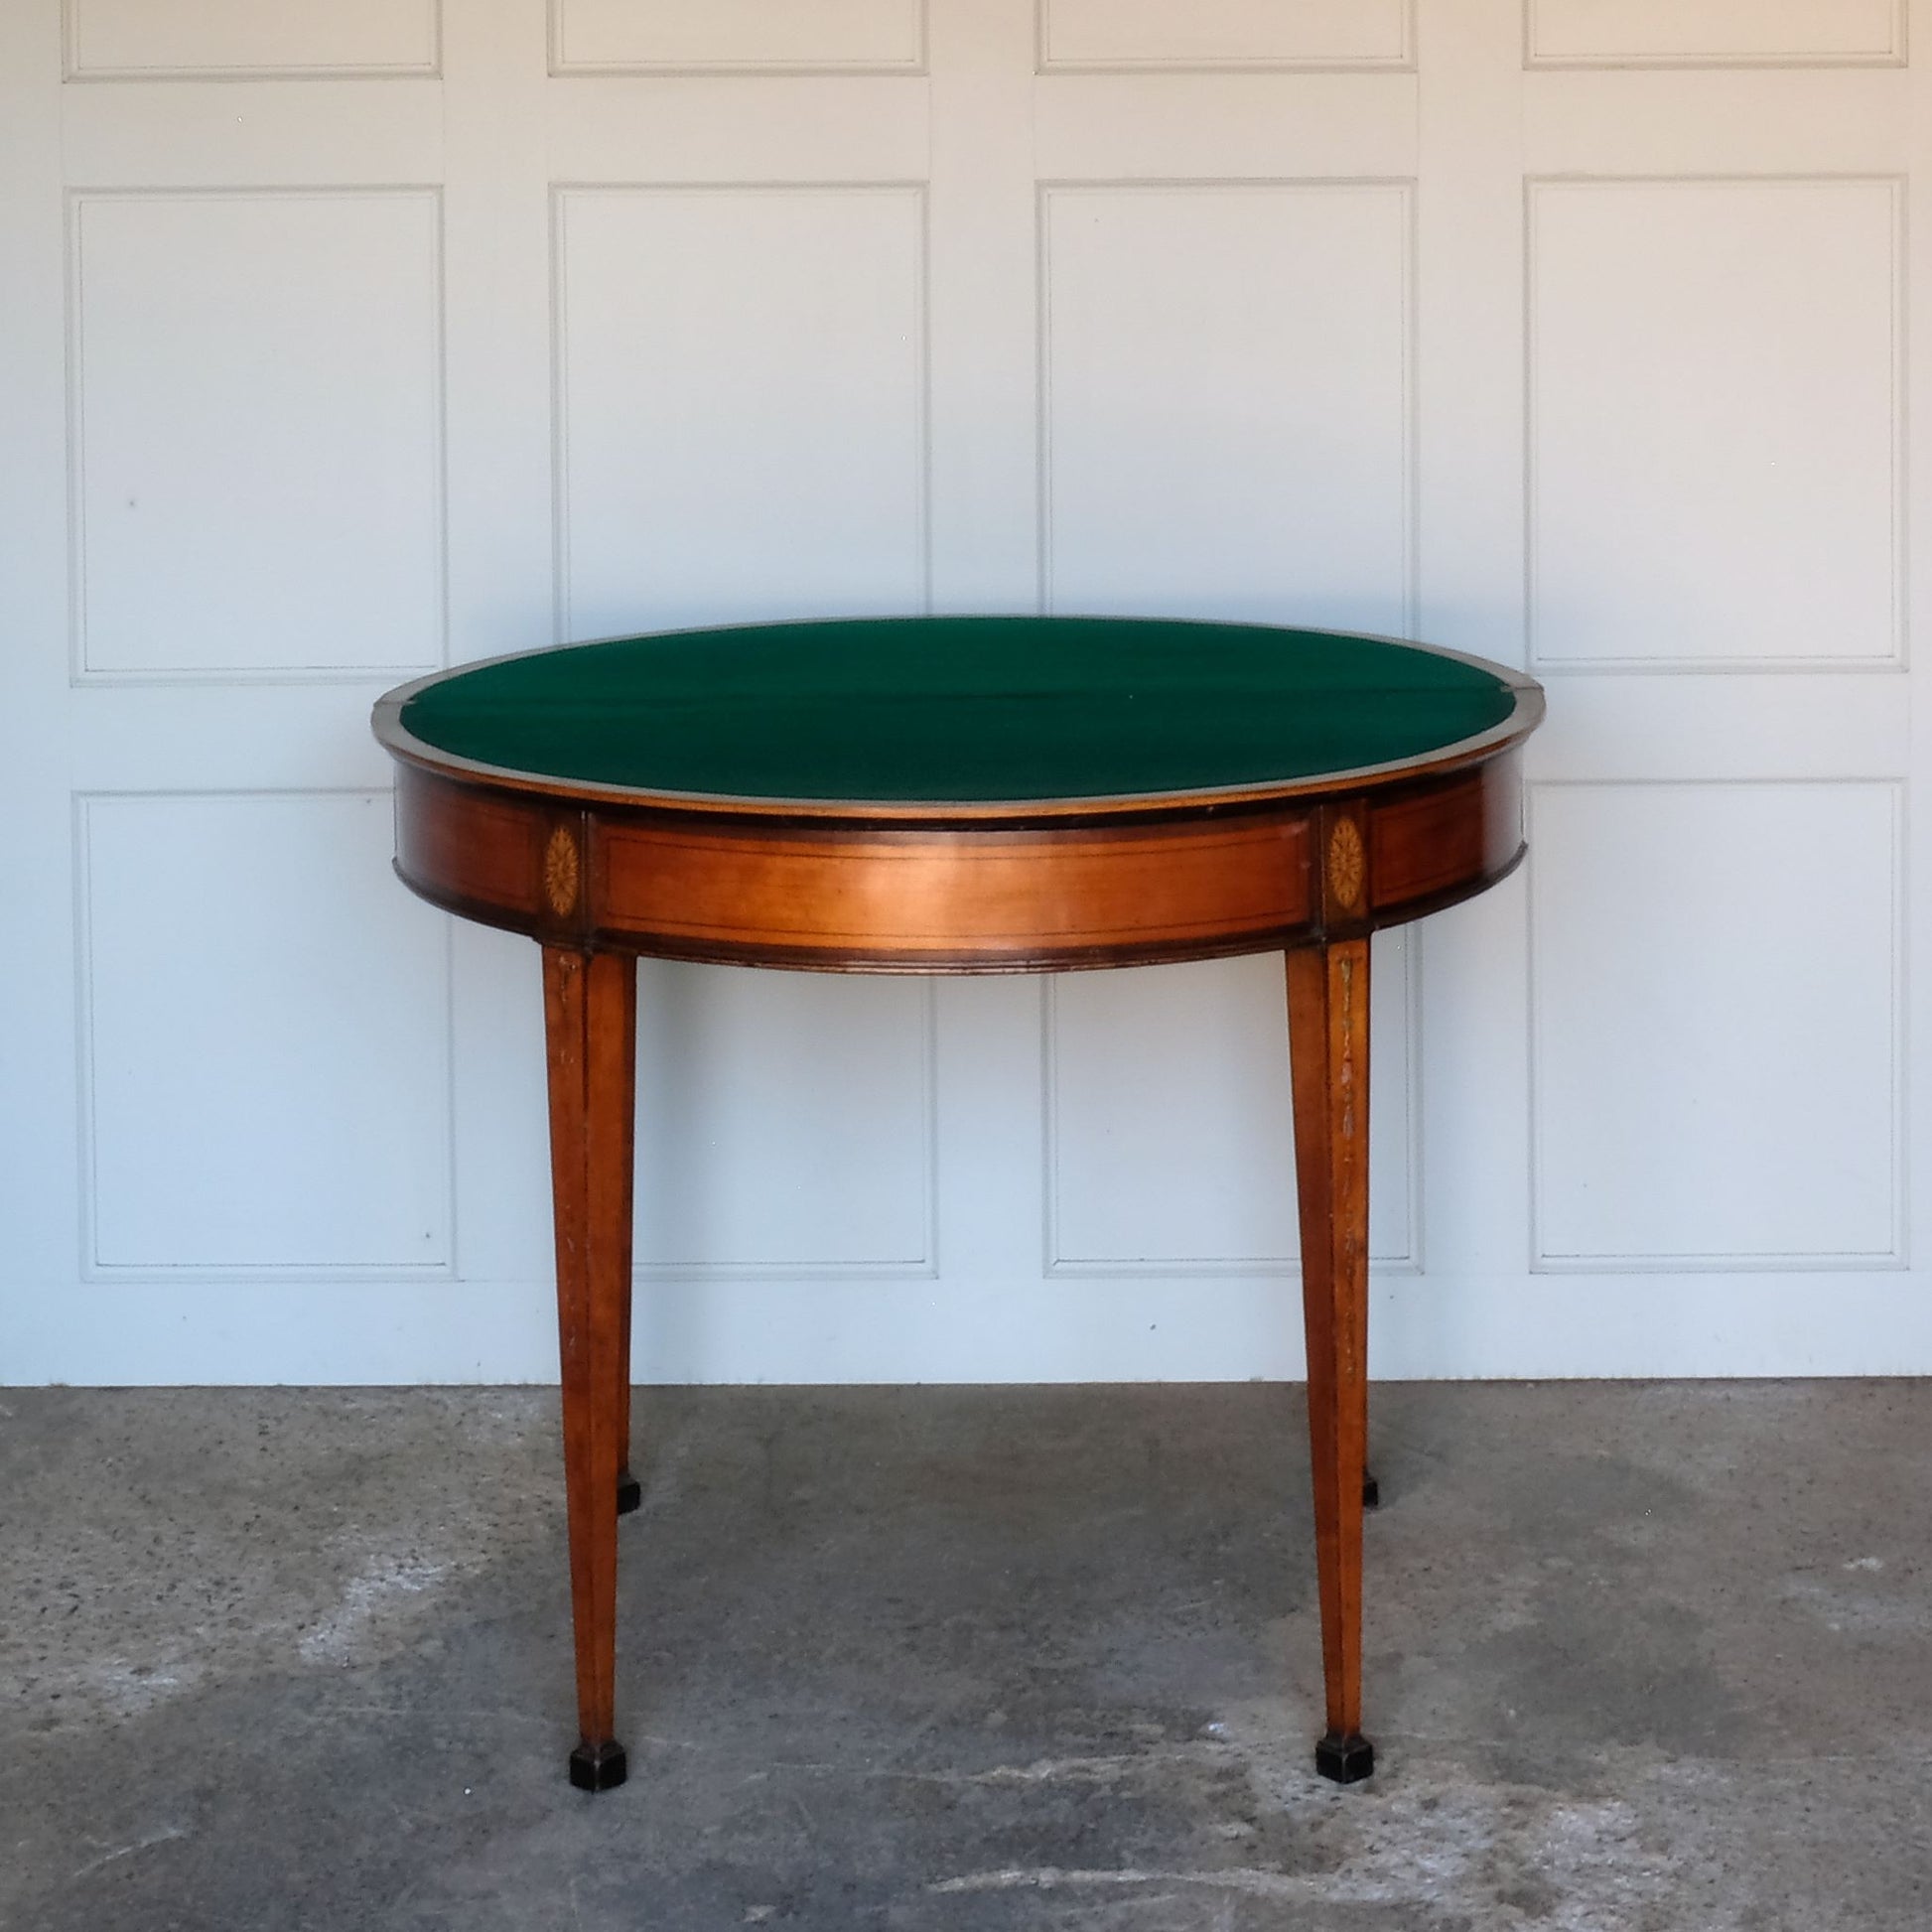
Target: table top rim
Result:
[1526, 713]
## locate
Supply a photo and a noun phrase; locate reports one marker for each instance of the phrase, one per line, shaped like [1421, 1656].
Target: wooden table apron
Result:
[600, 874]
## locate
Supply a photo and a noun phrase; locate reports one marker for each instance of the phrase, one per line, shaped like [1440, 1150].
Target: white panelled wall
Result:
[344, 339]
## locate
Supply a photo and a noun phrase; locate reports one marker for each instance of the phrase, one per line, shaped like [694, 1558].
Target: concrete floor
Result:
[1638, 1656]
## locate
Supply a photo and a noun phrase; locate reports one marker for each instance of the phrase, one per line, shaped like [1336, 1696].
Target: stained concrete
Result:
[1638, 1656]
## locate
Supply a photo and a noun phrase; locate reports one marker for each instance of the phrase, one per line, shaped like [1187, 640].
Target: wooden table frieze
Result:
[956, 795]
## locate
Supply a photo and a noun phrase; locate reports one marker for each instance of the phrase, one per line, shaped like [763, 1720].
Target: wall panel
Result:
[588, 36]
[1715, 33]
[147, 40]
[265, 1075]
[1171, 1148]
[1227, 401]
[1155, 34]
[349, 339]
[1716, 998]
[741, 404]
[256, 433]
[827, 1169]
[1716, 397]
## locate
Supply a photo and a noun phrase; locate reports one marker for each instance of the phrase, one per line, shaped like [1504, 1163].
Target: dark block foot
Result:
[598, 1767]
[631, 1492]
[1371, 1493]
[1345, 1760]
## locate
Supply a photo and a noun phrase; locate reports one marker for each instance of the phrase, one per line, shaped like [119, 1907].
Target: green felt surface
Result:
[959, 709]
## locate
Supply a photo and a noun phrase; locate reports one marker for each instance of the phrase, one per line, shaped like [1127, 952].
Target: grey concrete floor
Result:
[1637, 1656]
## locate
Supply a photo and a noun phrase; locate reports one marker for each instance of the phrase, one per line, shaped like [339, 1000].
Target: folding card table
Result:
[956, 795]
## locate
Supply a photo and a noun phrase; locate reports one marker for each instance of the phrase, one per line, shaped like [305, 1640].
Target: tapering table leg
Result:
[590, 1006]
[1328, 1002]
[631, 1494]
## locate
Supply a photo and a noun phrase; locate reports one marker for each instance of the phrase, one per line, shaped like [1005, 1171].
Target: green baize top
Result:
[941, 709]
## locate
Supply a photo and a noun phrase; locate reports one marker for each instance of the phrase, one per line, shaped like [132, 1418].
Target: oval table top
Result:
[959, 794]
[966, 715]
